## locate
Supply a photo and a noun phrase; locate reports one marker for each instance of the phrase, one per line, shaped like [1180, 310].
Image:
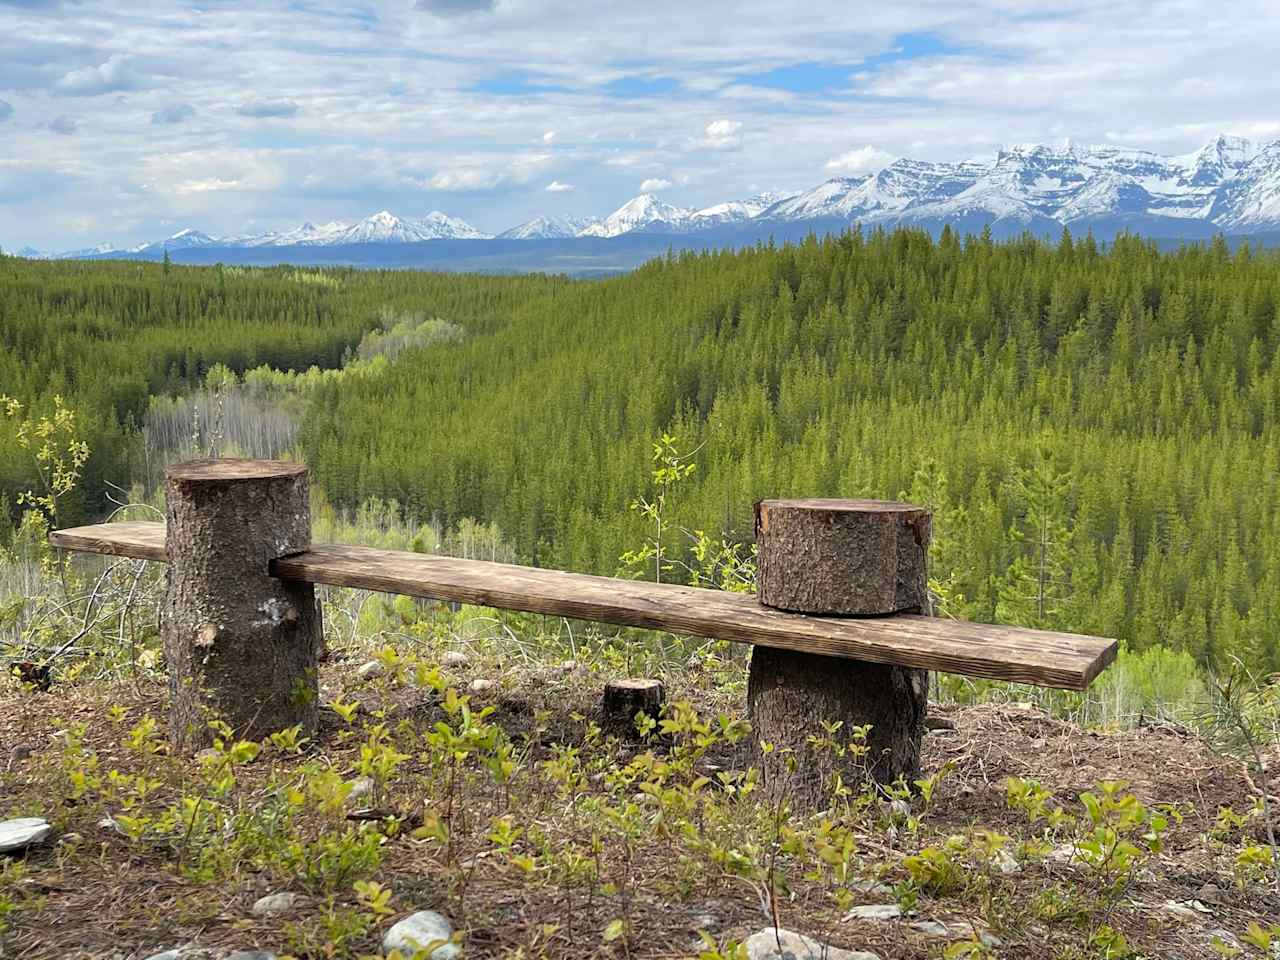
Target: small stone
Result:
[370, 670]
[274, 904]
[874, 911]
[418, 931]
[778, 944]
[871, 888]
[1185, 909]
[455, 658]
[22, 833]
[480, 685]
[19, 753]
[900, 809]
[1211, 893]
[360, 787]
[930, 928]
[1064, 853]
[569, 666]
[1006, 863]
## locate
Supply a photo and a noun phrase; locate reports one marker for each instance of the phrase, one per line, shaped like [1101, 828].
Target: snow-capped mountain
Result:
[734, 211]
[549, 228]
[306, 235]
[1226, 186]
[386, 227]
[646, 213]
[182, 240]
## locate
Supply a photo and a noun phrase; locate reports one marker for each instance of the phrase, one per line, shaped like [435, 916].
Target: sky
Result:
[123, 121]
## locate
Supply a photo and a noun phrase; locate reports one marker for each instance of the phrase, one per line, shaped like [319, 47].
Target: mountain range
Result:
[1228, 186]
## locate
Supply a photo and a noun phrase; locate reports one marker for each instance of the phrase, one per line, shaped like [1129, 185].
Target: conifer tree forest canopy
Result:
[1098, 432]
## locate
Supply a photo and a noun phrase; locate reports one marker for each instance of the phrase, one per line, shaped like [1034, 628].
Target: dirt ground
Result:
[90, 893]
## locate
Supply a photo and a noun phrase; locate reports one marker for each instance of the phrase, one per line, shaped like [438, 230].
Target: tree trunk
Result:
[241, 646]
[837, 557]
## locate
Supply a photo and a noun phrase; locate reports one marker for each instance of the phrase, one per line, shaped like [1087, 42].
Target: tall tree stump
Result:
[241, 645]
[837, 558]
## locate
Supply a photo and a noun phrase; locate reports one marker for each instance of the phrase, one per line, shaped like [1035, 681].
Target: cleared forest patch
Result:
[445, 782]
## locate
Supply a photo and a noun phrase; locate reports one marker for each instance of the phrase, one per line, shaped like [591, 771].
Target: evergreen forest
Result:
[1097, 430]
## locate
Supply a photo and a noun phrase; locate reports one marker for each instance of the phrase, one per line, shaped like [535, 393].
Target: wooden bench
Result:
[242, 633]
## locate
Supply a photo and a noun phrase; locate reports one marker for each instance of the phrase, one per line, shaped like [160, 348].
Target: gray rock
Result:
[874, 911]
[418, 931]
[480, 685]
[956, 930]
[274, 904]
[1211, 893]
[22, 833]
[778, 944]
[370, 670]
[871, 888]
[455, 658]
[1185, 909]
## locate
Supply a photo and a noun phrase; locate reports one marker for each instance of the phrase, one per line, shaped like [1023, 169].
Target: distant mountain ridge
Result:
[1226, 186]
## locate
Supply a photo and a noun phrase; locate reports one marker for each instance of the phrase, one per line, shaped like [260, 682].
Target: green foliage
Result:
[1096, 432]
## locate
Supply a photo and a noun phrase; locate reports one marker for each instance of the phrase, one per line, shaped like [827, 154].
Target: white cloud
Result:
[654, 184]
[721, 134]
[6, 110]
[866, 159]
[204, 186]
[116, 73]
[369, 127]
[64, 125]
[555, 186]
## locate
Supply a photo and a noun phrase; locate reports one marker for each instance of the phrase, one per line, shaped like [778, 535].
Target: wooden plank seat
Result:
[1062, 660]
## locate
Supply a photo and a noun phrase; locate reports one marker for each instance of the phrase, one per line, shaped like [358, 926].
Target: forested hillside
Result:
[1097, 431]
[108, 336]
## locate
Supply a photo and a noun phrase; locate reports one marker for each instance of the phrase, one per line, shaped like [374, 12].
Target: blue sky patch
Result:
[629, 87]
[515, 83]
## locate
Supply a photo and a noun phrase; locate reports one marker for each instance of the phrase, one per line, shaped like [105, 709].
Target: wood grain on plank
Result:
[1038, 657]
[141, 539]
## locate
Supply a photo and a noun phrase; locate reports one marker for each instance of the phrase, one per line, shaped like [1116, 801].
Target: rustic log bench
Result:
[840, 624]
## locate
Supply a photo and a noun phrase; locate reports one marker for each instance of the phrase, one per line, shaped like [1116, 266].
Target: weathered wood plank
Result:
[140, 539]
[1039, 657]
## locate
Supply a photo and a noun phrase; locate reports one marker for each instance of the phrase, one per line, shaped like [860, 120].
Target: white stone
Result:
[418, 931]
[22, 833]
[277, 903]
[1006, 863]
[480, 685]
[874, 911]
[370, 670]
[778, 944]
[360, 787]
[455, 658]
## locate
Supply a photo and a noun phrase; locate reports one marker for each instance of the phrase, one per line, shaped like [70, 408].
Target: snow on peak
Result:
[548, 228]
[643, 213]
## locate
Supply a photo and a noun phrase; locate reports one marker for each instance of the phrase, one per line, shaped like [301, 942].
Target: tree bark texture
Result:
[833, 558]
[241, 646]
[842, 557]
[623, 699]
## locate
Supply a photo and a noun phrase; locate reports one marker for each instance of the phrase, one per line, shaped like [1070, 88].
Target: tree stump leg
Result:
[837, 558]
[241, 645]
[790, 695]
